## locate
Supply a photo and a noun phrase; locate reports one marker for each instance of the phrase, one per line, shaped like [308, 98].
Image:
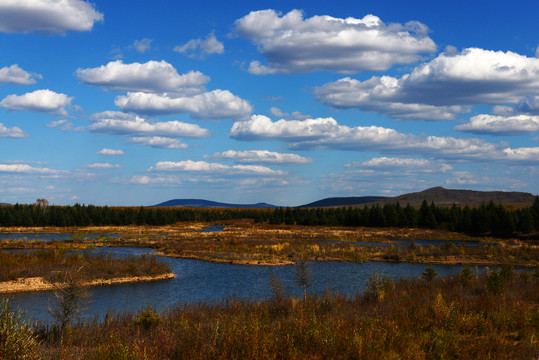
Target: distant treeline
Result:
[484, 219]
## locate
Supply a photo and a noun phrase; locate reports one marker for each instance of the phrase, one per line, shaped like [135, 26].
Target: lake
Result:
[200, 281]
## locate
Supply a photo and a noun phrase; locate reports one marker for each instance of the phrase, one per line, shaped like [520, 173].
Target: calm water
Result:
[57, 236]
[199, 281]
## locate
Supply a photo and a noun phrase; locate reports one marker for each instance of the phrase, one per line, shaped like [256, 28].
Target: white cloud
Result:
[437, 90]
[537, 52]
[63, 125]
[501, 125]
[47, 16]
[25, 169]
[147, 180]
[206, 167]
[259, 156]
[40, 100]
[327, 133]
[152, 76]
[290, 43]
[201, 47]
[102, 166]
[118, 123]
[528, 104]
[15, 75]
[142, 45]
[216, 104]
[13, 132]
[296, 115]
[110, 152]
[402, 164]
[158, 142]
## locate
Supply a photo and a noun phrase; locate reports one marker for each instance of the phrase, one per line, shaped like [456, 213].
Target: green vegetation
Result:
[54, 264]
[409, 319]
[486, 219]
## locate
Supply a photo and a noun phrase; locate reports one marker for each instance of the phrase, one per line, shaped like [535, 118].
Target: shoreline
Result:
[39, 284]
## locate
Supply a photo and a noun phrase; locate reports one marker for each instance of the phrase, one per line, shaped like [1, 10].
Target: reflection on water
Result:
[199, 281]
[213, 228]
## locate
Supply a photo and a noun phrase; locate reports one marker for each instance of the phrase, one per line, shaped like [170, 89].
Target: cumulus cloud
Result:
[528, 104]
[501, 125]
[216, 104]
[118, 123]
[40, 101]
[148, 180]
[47, 16]
[13, 132]
[403, 164]
[259, 156]
[206, 167]
[327, 133]
[441, 88]
[290, 43]
[199, 48]
[110, 152]
[158, 142]
[25, 169]
[15, 75]
[102, 166]
[142, 45]
[152, 76]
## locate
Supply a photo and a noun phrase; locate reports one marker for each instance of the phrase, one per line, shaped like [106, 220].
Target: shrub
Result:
[148, 318]
[466, 275]
[495, 283]
[429, 274]
[17, 340]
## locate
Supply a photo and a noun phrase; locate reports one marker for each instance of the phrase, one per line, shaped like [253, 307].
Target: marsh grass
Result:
[440, 319]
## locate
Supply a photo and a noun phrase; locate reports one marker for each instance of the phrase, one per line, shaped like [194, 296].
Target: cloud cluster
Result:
[25, 169]
[327, 133]
[296, 115]
[102, 166]
[158, 142]
[15, 75]
[441, 88]
[47, 16]
[110, 152]
[118, 123]
[214, 168]
[216, 104]
[290, 43]
[40, 101]
[402, 164]
[152, 76]
[501, 125]
[260, 156]
[13, 132]
[199, 48]
[155, 87]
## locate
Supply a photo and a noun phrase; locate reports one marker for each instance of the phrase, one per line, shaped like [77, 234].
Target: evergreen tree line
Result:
[484, 219]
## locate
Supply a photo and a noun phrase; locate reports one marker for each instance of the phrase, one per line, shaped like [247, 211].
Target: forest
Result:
[486, 219]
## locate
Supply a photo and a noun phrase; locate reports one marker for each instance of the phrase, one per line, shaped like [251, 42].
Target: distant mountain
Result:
[344, 201]
[4, 204]
[441, 196]
[199, 203]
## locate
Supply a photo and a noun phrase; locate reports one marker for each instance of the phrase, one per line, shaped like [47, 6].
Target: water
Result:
[409, 242]
[213, 228]
[200, 281]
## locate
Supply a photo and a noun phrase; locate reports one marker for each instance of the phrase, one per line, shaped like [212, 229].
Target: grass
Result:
[445, 318]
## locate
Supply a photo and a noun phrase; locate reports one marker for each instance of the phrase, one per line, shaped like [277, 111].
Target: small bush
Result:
[17, 340]
[495, 283]
[148, 318]
[466, 276]
[429, 274]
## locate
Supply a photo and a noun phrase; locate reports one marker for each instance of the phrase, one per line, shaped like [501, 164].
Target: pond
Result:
[200, 281]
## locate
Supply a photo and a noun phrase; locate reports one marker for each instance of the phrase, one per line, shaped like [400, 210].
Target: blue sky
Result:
[135, 103]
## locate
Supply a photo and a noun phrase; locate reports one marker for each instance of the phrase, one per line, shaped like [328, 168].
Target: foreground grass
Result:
[459, 317]
[52, 264]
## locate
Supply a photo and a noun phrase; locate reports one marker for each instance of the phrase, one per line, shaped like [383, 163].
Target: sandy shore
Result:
[40, 284]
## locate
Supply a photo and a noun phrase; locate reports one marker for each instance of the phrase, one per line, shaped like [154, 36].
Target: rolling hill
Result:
[200, 203]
